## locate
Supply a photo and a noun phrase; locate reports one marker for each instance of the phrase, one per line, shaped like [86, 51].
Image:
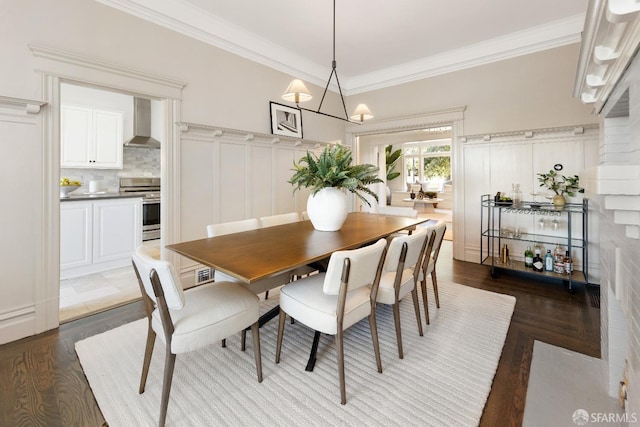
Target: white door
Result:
[75, 234]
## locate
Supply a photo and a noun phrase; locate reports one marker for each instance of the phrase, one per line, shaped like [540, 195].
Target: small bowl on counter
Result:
[66, 189]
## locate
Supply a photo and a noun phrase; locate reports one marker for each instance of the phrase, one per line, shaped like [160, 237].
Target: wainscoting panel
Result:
[230, 175]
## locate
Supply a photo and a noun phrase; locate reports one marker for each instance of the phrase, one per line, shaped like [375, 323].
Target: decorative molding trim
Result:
[193, 22]
[73, 66]
[28, 105]
[529, 134]
[208, 131]
[609, 42]
[413, 122]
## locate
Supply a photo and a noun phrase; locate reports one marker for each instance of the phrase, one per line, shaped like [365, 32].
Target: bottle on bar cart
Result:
[568, 263]
[528, 257]
[558, 260]
[548, 261]
[538, 264]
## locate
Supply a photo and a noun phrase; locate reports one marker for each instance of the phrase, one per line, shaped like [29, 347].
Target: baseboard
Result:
[17, 324]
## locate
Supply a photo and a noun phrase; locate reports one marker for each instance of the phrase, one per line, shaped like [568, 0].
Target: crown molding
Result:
[191, 21]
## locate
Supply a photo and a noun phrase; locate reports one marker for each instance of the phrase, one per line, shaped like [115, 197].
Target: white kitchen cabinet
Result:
[98, 235]
[90, 138]
[76, 219]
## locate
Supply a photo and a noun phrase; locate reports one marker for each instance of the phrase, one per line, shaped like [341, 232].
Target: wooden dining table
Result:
[255, 255]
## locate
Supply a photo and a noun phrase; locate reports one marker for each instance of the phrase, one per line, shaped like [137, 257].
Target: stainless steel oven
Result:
[149, 190]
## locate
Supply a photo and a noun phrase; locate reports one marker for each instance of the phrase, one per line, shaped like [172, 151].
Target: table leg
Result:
[314, 349]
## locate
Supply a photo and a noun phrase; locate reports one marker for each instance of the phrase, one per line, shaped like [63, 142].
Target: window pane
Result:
[411, 150]
[412, 173]
[436, 149]
[437, 168]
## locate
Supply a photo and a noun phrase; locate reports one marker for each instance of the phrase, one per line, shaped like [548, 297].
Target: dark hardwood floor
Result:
[42, 383]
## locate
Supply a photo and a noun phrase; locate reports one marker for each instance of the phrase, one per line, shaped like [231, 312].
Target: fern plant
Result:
[333, 168]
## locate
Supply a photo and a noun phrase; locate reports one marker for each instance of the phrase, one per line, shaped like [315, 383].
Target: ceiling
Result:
[379, 43]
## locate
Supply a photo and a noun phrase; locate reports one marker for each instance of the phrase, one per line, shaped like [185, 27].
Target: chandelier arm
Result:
[333, 70]
[329, 115]
[341, 96]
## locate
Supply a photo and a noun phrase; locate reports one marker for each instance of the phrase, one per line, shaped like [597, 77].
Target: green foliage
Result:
[437, 167]
[333, 168]
[560, 184]
[392, 160]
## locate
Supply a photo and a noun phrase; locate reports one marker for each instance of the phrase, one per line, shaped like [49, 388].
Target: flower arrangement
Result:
[333, 168]
[560, 184]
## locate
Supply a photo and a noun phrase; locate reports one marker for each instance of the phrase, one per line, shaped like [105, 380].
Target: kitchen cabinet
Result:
[90, 138]
[567, 227]
[98, 235]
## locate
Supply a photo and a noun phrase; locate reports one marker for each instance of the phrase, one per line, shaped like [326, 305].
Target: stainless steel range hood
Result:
[142, 125]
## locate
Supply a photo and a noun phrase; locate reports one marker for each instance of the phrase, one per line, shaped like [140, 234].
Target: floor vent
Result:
[204, 275]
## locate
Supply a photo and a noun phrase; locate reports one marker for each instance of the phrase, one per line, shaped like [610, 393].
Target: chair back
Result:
[416, 243]
[221, 229]
[273, 220]
[364, 263]
[171, 285]
[440, 229]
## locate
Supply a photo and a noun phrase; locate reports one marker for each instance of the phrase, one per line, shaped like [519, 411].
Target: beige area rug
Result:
[564, 387]
[444, 379]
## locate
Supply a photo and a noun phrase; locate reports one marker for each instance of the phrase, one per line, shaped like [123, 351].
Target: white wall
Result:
[617, 181]
[492, 166]
[527, 92]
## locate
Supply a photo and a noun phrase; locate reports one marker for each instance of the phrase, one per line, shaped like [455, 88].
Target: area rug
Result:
[444, 378]
[565, 385]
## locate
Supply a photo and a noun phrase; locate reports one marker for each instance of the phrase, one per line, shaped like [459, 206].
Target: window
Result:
[427, 161]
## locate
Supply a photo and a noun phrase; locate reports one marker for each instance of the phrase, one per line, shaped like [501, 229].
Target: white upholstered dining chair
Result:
[429, 266]
[188, 321]
[273, 220]
[400, 273]
[333, 301]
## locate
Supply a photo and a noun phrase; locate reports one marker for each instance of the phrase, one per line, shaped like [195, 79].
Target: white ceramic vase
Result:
[327, 209]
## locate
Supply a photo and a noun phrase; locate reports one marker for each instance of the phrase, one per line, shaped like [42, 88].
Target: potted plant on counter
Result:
[328, 176]
[560, 185]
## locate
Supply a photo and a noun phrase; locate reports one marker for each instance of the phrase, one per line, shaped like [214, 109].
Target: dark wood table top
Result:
[258, 254]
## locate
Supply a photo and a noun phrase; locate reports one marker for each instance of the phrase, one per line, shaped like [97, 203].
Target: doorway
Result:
[87, 285]
[81, 70]
[401, 127]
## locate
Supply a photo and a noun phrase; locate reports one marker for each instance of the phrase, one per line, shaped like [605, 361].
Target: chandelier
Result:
[297, 91]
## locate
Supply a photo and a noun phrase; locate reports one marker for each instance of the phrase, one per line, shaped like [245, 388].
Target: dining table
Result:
[255, 255]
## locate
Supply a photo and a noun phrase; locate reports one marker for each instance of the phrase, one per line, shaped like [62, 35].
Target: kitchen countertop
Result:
[82, 196]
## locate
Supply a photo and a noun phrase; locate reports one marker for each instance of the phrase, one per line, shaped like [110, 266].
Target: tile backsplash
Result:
[137, 161]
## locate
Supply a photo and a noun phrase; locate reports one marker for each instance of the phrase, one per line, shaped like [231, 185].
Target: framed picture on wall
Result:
[286, 121]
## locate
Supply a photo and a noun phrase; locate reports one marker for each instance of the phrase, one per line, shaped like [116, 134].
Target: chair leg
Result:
[243, 340]
[423, 285]
[416, 307]
[374, 337]
[148, 352]
[434, 279]
[281, 321]
[340, 349]
[396, 319]
[223, 343]
[266, 295]
[255, 332]
[169, 363]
